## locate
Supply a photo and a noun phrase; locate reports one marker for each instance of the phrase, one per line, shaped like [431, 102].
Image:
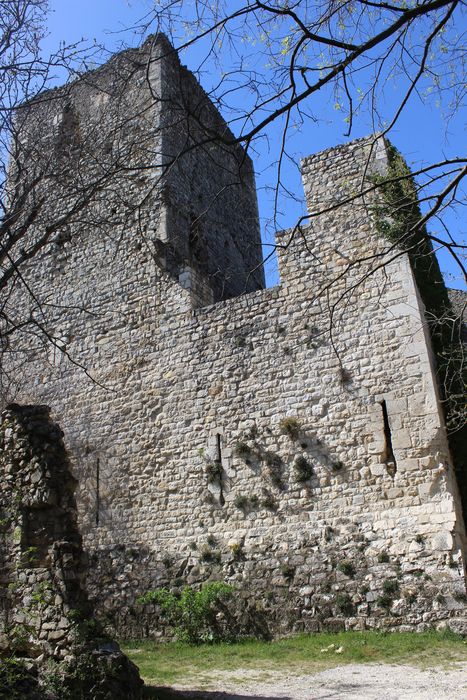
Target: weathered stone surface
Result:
[45, 614]
[252, 387]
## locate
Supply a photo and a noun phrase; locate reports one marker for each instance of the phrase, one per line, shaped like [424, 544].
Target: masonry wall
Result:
[45, 615]
[371, 538]
[115, 178]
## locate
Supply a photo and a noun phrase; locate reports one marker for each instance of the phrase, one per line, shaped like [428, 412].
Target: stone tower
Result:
[287, 440]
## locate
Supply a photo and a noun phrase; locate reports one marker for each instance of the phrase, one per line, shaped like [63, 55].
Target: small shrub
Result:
[237, 551]
[16, 680]
[274, 464]
[385, 601]
[246, 502]
[269, 502]
[411, 597]
[303, 469]
[254, 502]
[167, 561]
[211, 540]
[390, 586]
[287, 571]
[290, 426]
[242, 450]
[419, 539]
[193, 546]
[240, 341]
[440, 599]
[347, 568]
[460, 597]
[364, 590]
[252, 433]
[272, 459]
[214, 472]
[208, 556]
[383, 557]
[192, 614]
[241, 502]
[344, 603]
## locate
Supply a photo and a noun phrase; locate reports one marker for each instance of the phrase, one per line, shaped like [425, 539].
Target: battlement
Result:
[299, 426]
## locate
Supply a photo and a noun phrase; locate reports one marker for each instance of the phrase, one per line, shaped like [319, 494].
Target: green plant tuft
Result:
[390, 586]
[288, 571]
[242, 450]
[290, 426]
[344, 603]
[214, 472]
[193, 614]
[347, 568]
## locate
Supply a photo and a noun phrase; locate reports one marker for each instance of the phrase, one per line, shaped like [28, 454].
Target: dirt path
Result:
[351, 682]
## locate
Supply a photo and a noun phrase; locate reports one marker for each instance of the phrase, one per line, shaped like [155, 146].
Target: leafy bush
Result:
[16, 681]
[193, 614]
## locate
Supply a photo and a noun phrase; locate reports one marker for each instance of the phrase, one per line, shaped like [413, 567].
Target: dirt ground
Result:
[352, 682]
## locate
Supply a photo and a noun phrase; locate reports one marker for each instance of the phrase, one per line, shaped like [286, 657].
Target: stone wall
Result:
[288, 441]
[113, 172]
[45, 614]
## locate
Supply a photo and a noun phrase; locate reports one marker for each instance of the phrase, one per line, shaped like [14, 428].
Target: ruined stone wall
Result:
[46, 620]
[288, 441]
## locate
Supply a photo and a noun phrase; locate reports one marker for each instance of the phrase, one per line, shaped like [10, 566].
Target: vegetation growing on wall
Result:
[193, 614]
[399, 219]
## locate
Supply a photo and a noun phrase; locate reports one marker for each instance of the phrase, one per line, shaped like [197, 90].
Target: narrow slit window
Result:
[388, 453]
[219, 461]
[98, 486]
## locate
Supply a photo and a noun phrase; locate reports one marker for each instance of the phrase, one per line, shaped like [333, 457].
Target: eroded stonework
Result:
[45, 614]
[289, 441]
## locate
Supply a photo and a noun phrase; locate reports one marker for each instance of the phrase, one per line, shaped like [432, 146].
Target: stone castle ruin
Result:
[46, 619]
[288, 440]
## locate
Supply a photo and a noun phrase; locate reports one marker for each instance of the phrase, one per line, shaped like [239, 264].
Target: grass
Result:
[175, 663]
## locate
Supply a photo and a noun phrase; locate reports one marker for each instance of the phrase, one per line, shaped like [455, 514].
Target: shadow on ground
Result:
[168, 694]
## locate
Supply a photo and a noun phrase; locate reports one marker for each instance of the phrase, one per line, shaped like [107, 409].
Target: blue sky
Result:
[421, 133]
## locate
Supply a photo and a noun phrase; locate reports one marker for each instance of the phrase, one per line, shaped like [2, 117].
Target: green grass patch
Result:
[176, 663]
